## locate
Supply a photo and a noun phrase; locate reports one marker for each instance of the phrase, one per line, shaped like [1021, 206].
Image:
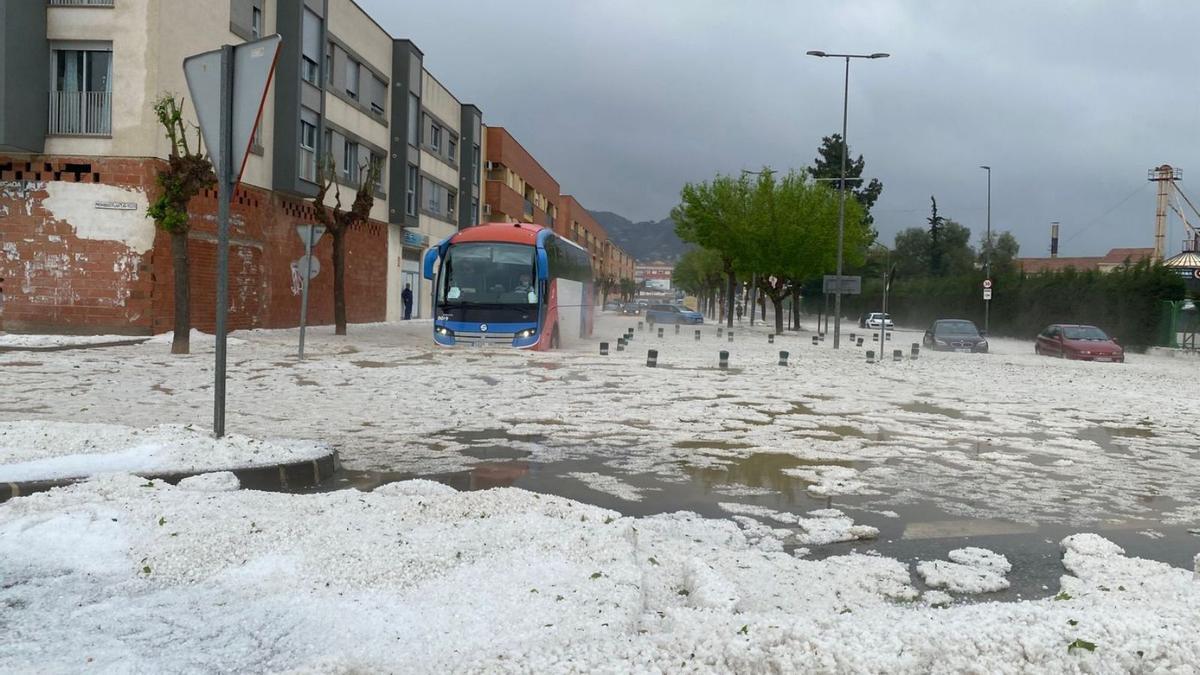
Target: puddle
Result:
[703, 444]
[1130, 432]
[930, 409]
[374, 364]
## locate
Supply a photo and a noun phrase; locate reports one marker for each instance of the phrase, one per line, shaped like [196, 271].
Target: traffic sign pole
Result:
[224, 190]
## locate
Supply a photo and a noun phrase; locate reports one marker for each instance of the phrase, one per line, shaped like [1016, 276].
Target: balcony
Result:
[81, 113]
[81, 3]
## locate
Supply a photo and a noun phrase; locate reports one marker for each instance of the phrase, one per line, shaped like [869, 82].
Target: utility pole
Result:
[987, 255]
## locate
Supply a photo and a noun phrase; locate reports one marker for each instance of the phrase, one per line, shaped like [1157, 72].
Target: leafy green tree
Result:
[187, 174]
[936, 266]
[828, 165]
[715, 215]
[699, 273]
[1001, 250]
[628, 288]
[794, 234]
[957, 255]
[911, 253]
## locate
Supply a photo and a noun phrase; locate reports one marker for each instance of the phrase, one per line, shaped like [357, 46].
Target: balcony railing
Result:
[81, 3]
[81, 113]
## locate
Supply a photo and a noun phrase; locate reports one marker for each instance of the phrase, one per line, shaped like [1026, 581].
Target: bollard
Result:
[783, 357]
[677, 329]
[897, 354]
[860, 341]
[640, 324]
[815, 340]
[652, 358]
[731, 336]
[916, 350]
[660, 332]
[870, 356]
[720, 331]
[621, 344]
[852, 337]
[874, 337]
[771, 339]
[603, 349]
[821, 336]
[723, 360]
[889, 336]
[697, 336]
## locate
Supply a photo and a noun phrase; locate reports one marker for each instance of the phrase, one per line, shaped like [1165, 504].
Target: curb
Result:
[68, 347]
[269, 478]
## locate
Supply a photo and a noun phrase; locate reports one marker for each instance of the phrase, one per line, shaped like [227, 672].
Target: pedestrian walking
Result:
[406, 298]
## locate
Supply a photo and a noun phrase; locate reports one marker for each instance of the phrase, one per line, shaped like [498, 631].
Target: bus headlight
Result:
[443, 331]
[527, 333]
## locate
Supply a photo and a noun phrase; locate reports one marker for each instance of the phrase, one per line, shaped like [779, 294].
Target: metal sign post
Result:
[228, 88]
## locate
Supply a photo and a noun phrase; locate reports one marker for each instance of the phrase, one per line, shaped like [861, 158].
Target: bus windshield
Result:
[488, 274]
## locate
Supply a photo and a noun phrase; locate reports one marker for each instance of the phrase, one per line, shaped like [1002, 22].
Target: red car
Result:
[1082, 343]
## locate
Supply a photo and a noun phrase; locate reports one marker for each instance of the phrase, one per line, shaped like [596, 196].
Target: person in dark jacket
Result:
[406, 298]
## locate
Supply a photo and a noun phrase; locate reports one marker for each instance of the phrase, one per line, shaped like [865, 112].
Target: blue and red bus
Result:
[510, 284]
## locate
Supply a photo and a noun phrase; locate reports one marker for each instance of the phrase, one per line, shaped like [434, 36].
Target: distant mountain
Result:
[645, 241]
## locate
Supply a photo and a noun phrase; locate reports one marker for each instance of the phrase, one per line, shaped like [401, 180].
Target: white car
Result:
[875, 318]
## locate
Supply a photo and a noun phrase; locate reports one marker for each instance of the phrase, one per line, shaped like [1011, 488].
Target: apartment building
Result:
[80, 147]
[608, 259]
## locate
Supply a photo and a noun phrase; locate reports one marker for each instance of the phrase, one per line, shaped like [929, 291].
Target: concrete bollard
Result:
[660, 332]
[821, 336]
[874, 337]
[860, 341]
[853, 337]
[815, 340]
[897, 354]
[720, 331]
[783, 357]
[889, 336]
[916, 350]
[603, 349]
[652, 358]
[640, 325]
[870, 356]
[677, 329]
[723, 360]
[621, 344]
[731, 336]
[697, 336]
[771, 339]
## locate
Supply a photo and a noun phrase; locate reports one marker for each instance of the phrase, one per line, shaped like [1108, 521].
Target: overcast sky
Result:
[625, 100]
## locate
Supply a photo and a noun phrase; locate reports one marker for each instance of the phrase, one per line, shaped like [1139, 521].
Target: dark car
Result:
[631, 308]
[955, 335]
[612, 306]
[672, 314]
[1081, 343]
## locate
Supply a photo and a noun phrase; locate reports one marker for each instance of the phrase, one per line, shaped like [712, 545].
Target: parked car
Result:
[874, 319]
[612, 306]
[1082, 343]
[631, 308]
[643, 303]
[672, 314]
[956, 335]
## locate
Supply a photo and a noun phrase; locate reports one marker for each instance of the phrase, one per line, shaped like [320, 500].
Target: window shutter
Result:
[311, 47]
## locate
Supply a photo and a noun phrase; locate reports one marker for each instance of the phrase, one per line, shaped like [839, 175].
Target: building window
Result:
[452, 150]
[410, 188]
[414, 113]
[376, 94]
[308, 144]
[81, 101]
[475, 164]
[352, 78]
[256, 22]
[329, 64]
[350, 162]
[451, 198]
[474, 211]
[310, 50]
[435, 137]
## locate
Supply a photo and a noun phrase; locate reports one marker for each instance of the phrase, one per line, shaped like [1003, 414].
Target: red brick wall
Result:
[54, 281]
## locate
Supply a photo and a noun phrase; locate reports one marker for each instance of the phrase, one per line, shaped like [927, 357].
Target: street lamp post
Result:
[987, 251]
[837, 297]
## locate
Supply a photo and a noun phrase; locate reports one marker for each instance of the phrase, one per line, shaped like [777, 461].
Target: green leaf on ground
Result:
[597, 575]
[1082, 644]
[1063, 596]
[653, 561]
[162, 521]
[745, 630]
[1073, 622]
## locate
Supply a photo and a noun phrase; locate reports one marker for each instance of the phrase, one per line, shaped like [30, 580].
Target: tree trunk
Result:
[339, 280]
[796, 308]
[777, 300]
[730, 291]
[181, 340]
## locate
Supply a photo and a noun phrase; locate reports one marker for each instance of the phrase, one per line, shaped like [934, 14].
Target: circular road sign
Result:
[987, 283]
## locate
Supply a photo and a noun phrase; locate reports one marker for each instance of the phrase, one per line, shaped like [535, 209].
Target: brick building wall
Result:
[79, 255]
